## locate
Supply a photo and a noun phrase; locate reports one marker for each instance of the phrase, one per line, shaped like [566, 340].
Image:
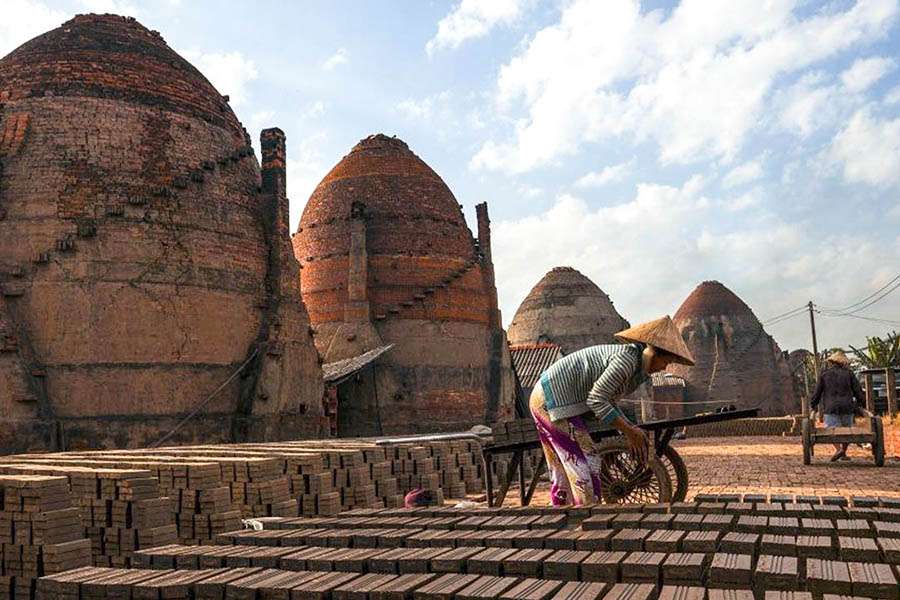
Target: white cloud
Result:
[675, 237]
[694, 83]
[868, 149]
[608, 174]
[115, 7]
[893, 96]
[743, 174]
[809, 104]
[229, 72]
[340, 57]
[25, 19]
[313, 110]
[529, 191]
[866, 71]
[472, 19]
[305, 169]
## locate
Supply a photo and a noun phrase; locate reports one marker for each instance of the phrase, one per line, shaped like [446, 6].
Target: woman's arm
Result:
[619, 370]
[817, 395]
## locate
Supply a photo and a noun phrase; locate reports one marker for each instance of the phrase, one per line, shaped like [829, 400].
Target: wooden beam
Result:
[870, 392]
[890, 379]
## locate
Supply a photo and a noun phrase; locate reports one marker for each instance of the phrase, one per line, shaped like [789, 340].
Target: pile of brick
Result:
[728, 547]
[40, 532]
[121, 510]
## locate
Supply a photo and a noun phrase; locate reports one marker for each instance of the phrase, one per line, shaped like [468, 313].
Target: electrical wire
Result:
[786, 315]
[872, 295]
[878, 298]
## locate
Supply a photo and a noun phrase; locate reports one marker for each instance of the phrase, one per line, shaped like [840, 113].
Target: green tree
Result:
[880, 353]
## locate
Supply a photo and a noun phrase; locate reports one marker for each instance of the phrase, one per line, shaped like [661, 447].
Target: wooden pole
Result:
[804, 409]
[870, 393]
[890, 380]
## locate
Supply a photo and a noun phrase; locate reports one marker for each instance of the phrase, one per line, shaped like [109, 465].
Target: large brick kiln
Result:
[737, 362]
[567, 309]
[144, 254]
[388, 259]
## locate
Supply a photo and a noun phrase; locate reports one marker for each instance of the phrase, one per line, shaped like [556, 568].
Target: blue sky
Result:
[650, 145]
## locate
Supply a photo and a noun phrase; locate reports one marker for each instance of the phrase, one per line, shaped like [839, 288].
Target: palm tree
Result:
[880, 353]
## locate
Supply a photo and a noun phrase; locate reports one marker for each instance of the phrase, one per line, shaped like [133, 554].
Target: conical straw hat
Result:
[838, 357]
[662, 334]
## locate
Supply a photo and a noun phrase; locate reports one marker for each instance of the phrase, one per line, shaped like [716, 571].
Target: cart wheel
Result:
[878, 442]
[624, 481]
[678, 473]
[806, 435]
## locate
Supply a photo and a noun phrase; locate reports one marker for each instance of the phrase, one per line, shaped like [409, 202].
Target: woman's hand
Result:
[636, 438]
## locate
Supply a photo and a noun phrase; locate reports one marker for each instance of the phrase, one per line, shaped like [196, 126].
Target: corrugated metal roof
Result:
[666, 379]
[339, 369]
[530, 360]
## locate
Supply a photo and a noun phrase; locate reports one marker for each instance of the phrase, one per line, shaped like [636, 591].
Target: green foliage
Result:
[880, 353]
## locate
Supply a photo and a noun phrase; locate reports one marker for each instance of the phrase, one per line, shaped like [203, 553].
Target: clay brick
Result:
[562, 540]
[631, 591]
[787, 595]
[684, 568]
[213, 588]
[629, 539]
[687, 522]
[740, 543]
[873, 580]
[565, 564]
[594, 540]
[526, 563]
[828, 511]
[858, 549]
[680, 592]
[626, 520]
[642, 567]
[599, 521]
[853, 528]
[602, 566]
[361, 587]
[799, 510]
[582, 591]
[776, 573]
[664, 541]
[814, 546]
[453, 561]
[729, 594]
[739, 508]
[751, 524]
[704, 542]
[886, 530]
[489, 561]
[827, 577]
[782, 525]
[486, 587]
[656, 521]
[891, 549]
[532, 589]
[444, 587]
[726, 570]
[401, 588]
[717, 522]
[779, 545]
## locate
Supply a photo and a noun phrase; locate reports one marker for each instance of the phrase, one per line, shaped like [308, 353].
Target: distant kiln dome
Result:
[737, 362]
[568, 309]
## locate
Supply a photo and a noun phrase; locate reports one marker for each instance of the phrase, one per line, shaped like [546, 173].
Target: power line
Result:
[868, 304]
[864, 318]
[873, 294]
[785, 315]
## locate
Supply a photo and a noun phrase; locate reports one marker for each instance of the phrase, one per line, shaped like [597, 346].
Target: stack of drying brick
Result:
[40, 532]
[121, 510]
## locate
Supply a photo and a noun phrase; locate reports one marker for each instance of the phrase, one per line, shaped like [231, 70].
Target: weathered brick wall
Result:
[135, 251]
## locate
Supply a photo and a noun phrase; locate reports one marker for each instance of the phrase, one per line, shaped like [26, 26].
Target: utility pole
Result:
[815, 345]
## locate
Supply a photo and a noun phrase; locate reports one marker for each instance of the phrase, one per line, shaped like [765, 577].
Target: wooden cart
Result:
[872, 432]
[664, 479]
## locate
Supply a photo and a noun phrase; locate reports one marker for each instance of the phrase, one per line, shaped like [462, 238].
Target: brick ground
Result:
[773, 465]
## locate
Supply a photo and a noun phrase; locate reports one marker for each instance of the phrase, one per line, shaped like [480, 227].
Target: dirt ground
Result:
[773, 465]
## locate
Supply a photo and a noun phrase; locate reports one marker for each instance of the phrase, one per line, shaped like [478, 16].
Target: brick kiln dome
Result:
[416, 235]
[108, 56]
[737, 362]
[388, 260]
[568, 309]
[140, 261]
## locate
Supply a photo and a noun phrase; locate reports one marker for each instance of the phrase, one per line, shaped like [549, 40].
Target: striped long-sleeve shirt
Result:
[592, 379]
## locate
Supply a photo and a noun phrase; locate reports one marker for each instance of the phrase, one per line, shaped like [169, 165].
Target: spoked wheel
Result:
[678, 474]
[624, 481]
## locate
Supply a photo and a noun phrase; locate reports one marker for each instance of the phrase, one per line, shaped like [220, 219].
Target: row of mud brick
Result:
[272, 584]
[133, 499]
[591, 552]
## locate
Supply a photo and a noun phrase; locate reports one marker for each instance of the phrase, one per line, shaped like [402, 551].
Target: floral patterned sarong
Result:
[571, 458]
